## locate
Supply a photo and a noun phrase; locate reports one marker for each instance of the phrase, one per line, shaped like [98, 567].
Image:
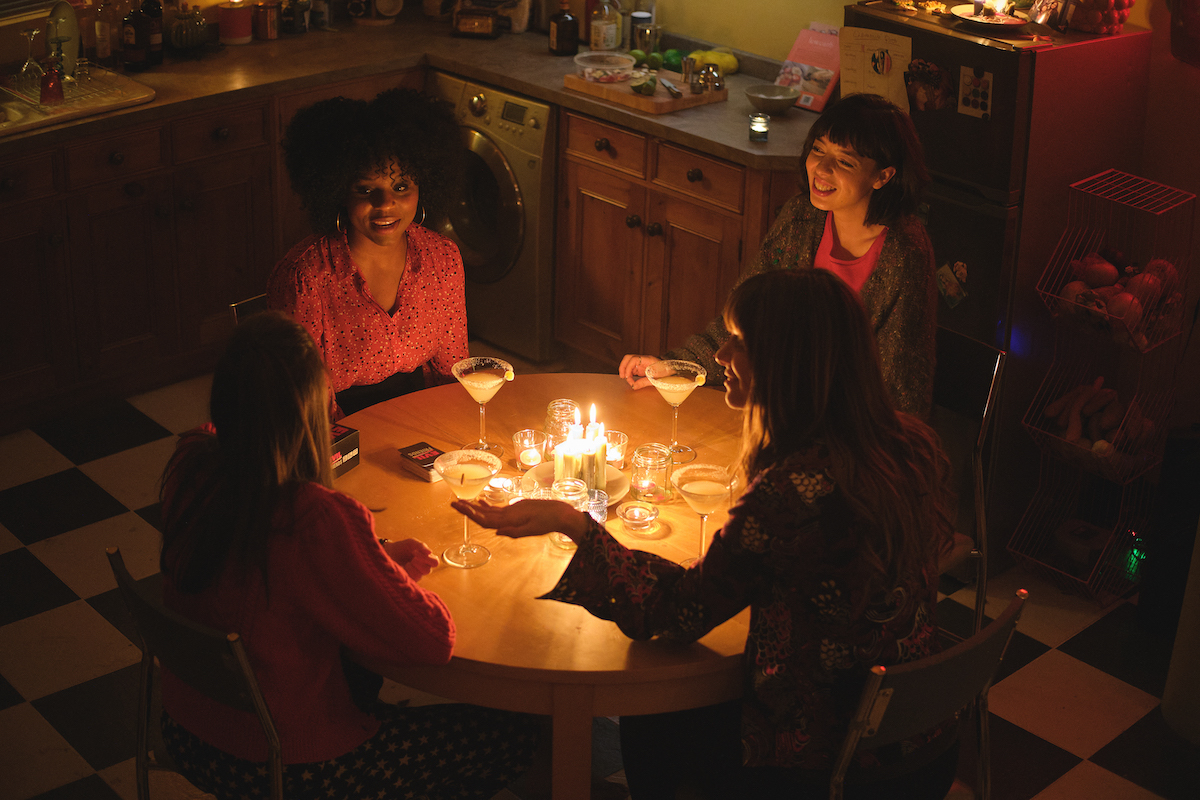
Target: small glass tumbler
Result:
[573, 492]
[651, 480]
[530, 447]
[760, 125]
[598, 505]
[617, 442]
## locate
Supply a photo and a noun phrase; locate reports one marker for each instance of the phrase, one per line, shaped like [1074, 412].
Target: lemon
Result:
[639, 57]
[654, 61]
[508, 375]
[699, 380]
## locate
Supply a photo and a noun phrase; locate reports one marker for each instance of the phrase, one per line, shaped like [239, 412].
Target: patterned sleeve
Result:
[648, 596]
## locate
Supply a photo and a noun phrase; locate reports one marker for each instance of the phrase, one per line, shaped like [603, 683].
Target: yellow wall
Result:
[764, 27]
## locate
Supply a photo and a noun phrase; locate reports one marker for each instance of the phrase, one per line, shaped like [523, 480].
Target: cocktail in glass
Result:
[675, 380]
[482, 377]
[467, 473]
[706, 488]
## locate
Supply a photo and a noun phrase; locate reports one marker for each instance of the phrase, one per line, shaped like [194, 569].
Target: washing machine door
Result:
[487, 218]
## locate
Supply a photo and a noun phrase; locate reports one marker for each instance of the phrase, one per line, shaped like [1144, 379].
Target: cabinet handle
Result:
[134, 190]
[116, 159]
[221, 134]
[8, 184]
[633, 221]
[601, 144]
[654, 229]
[694, 175]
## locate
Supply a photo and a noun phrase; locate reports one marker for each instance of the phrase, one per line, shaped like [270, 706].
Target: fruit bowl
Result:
[605, 67]
[772, 99]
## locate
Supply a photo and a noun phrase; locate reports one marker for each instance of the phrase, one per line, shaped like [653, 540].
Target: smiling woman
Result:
[381, 294]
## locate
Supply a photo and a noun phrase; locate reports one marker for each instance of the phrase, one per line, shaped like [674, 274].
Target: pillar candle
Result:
[234, 21]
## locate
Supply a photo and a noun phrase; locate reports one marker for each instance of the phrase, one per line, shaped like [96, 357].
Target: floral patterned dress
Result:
[793, 551]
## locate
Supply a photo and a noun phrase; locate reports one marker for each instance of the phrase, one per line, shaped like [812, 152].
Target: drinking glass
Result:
[31, 71]
[574, 492]
[467, 473]
[675, 380]
[530, 445]
[482, 377]
[705, 487]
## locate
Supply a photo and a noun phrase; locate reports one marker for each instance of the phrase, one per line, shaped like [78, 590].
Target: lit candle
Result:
[760, 124]
[234, 21]
[531, 457]
[591, 428]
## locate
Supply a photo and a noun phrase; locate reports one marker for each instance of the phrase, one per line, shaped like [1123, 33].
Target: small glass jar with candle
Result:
[530, 448]
[615, 450]
[574, 493]
[651, 480]
[760, 126]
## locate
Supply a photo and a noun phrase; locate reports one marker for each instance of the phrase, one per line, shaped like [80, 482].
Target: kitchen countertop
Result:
[516, 62]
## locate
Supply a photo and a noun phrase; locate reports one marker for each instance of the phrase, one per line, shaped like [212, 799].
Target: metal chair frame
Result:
[244, 308]
[213, 663]
[902, 701]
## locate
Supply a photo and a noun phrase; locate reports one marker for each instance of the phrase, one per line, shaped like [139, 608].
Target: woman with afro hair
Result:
[381, 294]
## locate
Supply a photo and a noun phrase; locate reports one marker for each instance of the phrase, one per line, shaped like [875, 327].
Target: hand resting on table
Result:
[633, 369]
[413, 557]
[527, 518]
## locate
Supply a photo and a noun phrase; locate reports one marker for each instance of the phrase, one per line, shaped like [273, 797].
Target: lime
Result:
[644, 85]
[639, 57]
[673, 60]
[654, 61]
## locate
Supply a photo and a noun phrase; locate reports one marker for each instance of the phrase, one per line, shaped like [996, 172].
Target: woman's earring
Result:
[338, 223]
[422, 222]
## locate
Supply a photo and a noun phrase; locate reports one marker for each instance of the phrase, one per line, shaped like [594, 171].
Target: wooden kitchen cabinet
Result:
[650, 239]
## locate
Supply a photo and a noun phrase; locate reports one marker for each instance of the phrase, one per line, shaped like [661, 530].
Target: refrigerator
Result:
[1009, 117]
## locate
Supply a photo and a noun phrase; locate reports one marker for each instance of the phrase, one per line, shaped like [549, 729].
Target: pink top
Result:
[331, 584]
[854, 271]
[362, 344]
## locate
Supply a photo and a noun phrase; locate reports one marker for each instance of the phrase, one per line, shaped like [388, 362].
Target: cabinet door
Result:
[598, 293]
[37, 356]
[121, 244]
[691, 266]
[224, 253]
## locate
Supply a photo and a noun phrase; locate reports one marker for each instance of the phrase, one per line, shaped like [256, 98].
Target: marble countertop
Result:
[517, 62]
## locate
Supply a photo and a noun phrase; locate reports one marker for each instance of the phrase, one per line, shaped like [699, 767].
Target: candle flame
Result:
[578, 420]
[592, 415]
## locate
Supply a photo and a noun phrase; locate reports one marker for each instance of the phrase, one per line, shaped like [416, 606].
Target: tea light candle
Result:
[760, 124]
[530, 457]
[235, 21]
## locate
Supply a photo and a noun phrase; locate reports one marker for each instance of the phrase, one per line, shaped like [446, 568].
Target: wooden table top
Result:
[502, 626]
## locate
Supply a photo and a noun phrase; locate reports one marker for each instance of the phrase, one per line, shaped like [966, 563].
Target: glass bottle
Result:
[108, 33]
[606, 26]
[153, 11]
[625, 9]
[134, 40]
[564, 31]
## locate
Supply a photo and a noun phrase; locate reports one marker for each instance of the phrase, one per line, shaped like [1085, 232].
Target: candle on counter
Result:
[584, 454]
[235, 21]
[760, 125]
[530, 457]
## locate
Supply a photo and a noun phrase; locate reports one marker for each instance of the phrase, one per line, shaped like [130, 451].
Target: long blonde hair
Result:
[815, 378]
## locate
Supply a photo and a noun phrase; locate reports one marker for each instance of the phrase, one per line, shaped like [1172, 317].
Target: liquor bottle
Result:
[154, 31]
[606, 26]
[564, 31]
[134, 40]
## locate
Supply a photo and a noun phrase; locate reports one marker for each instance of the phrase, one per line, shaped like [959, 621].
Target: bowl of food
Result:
[605, 67]
[772, 99]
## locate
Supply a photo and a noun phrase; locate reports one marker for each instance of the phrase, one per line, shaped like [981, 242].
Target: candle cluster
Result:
[584, 454]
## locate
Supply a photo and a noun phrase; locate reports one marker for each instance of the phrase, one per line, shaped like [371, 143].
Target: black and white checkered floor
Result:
[1076, 715]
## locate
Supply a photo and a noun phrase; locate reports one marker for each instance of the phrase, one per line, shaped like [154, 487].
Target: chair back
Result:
[244, 308]
[967, 382]
[213, 663]
[902, 701]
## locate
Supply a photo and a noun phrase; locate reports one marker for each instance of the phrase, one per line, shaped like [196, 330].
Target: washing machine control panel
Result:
[516, 120]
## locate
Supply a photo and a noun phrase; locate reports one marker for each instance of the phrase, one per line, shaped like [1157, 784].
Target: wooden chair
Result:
[244, 308]
[213, 663]
[967, 383]
[902, 701]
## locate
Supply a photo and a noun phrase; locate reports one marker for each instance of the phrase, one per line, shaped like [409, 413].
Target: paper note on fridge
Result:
[874, 62]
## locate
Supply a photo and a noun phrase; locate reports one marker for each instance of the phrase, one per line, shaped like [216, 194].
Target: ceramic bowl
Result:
[772, 99]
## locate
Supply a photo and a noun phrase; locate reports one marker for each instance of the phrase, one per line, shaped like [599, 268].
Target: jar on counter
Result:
[651, 479]
[266, 20]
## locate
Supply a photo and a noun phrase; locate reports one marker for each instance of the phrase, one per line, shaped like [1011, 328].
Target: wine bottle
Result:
[153, 11]
[564, 31]
[134, 40]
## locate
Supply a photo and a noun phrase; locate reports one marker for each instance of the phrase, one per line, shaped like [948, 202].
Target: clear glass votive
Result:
[617, 443]
[574, 492]
[638, 516]
[760, 126]
[499, 491]
[651, 480]
[530, 448]
[598, 505]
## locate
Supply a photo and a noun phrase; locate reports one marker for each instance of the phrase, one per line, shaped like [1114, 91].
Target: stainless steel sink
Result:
[102, 90]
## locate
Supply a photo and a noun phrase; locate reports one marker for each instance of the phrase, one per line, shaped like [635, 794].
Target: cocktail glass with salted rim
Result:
[467, 473]
[706, 488]
[675, 380]
[482, 377]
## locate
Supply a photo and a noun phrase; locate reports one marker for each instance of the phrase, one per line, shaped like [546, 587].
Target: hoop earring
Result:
[422, 222]
[338, 223]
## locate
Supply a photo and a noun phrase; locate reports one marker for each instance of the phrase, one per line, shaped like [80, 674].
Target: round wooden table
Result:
[514, 651]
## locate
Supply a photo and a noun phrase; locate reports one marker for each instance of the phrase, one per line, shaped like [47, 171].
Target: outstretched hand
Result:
[413, 556]
[633, 370]
[526, 518]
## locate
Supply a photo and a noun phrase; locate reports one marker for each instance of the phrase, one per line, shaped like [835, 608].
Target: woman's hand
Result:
[527, 518]
[412, 556]
[633, 370]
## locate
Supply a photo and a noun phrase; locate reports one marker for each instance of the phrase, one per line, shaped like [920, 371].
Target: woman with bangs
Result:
[381, 293]
[833, 546]
[855, 218]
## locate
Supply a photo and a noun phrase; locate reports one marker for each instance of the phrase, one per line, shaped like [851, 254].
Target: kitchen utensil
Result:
[772, 99]
[670, 87]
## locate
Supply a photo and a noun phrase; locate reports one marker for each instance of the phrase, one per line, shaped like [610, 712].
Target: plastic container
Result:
[604, 67]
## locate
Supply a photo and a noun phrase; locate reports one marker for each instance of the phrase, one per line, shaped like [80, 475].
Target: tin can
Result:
[266, 21]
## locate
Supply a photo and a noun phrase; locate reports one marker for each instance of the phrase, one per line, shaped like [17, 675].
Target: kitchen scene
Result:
[624, 160]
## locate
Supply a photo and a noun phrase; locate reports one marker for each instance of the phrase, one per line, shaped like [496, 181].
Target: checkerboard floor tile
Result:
[1075, 711]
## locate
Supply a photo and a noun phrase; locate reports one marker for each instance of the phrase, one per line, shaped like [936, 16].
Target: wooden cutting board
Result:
[658, 103]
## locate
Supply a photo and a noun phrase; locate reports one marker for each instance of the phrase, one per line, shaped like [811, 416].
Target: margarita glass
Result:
[705, 487]
[467, 473]
[482, 377]
[675, 380]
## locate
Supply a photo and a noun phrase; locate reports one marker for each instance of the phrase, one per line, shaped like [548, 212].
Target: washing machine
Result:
[503, 215]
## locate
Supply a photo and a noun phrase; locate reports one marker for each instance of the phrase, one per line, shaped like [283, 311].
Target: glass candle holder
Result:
[560, 415]
[529, 445]
[573, 492]
[651, 480]
[639, 517]
[617, 443]
[760, 126]
[598, 505]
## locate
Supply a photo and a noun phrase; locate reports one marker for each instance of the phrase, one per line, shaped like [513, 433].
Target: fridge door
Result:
[975, 247]
[969, 98]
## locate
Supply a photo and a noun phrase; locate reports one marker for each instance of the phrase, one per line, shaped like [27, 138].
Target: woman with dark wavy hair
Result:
[854, 216]
[257, 541]
[381, 293]
[833, 546]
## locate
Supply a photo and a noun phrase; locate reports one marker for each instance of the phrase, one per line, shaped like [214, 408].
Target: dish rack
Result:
[1100, 415]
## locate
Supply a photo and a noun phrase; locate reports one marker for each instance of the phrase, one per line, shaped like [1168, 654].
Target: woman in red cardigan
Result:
[256, 540]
